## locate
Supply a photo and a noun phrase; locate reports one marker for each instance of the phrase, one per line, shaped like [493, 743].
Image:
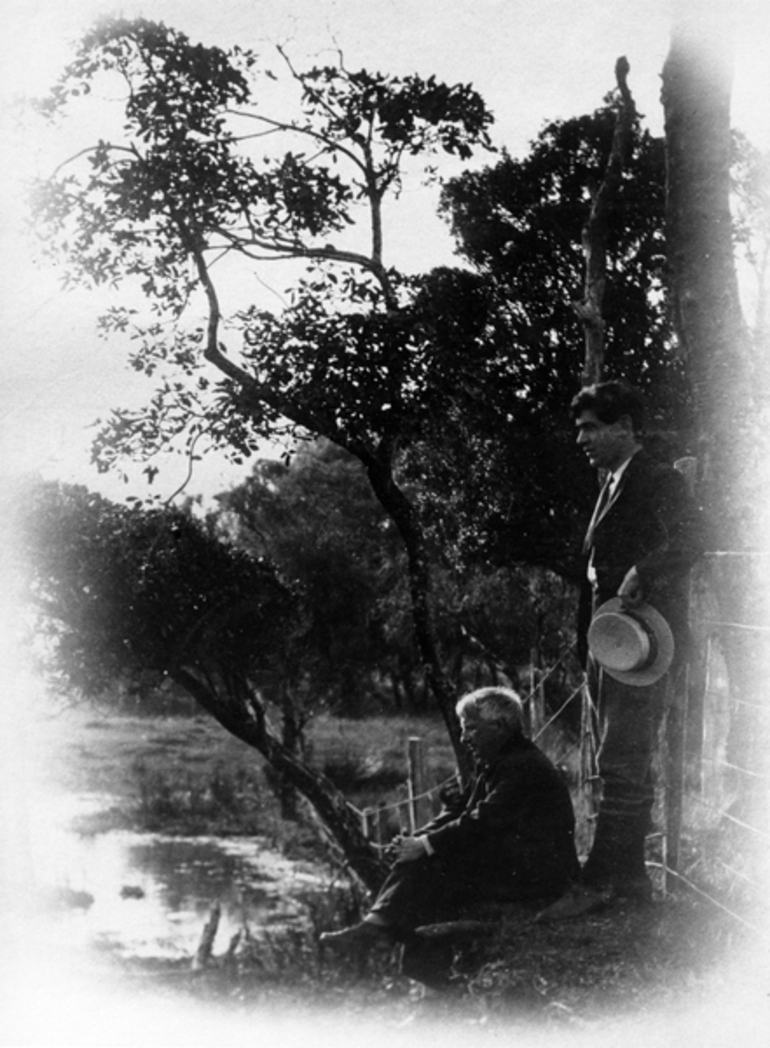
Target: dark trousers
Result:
[628, 723]
[435, 888]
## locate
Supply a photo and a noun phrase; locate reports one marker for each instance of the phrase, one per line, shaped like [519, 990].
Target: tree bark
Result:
[403, 513]
[594, 235]
[703, 284]
[711, 331]
[241, 715]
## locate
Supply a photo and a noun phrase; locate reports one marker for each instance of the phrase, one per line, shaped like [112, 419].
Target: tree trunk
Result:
[709, 323]
[594, 235]
[403, 514]
[291, 737]
[242, 716]
[703, 284]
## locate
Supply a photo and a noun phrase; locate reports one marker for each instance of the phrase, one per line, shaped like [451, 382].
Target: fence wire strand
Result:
[705, 895]
[734, 767]
[726, 815]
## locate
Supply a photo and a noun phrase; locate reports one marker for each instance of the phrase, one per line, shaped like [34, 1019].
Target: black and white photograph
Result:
[385, 566]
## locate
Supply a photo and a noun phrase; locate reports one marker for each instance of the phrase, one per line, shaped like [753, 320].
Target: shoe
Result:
[577, 902]
[635, 889]
[366, 933]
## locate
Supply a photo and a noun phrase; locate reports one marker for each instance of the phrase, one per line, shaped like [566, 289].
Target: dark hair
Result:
[610, 401]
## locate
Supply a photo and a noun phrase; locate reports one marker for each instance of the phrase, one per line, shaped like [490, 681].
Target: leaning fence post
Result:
[366, 823]
[587, 766]
[372, 819]
[420, 810]
[377, 824]
[536, 697]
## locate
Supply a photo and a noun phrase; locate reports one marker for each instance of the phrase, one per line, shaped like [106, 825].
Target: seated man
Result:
[508, 837]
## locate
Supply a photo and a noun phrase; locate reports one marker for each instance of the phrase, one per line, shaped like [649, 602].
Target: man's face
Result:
[483, 738]
[607, 444]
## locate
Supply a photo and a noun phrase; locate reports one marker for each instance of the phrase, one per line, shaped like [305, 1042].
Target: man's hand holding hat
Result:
[630, 590]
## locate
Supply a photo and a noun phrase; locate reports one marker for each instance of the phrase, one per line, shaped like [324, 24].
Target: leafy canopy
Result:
[203, 181]
[317, 520]
[128, 594]
[525, 491]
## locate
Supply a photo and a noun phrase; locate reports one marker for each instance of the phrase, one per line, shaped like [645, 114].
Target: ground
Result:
[627, 962]
[589, 975]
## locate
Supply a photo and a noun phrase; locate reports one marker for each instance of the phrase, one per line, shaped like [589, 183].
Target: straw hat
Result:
[634, 645]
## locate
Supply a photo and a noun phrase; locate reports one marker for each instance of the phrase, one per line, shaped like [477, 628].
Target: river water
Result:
[148, 895]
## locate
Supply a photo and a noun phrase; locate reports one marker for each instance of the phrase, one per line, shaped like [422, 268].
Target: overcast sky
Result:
[532, 61]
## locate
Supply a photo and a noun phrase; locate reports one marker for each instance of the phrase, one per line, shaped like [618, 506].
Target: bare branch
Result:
[93, 149]
[594, 235]
[278, 125]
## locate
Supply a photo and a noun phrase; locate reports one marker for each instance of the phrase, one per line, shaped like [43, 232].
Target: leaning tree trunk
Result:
[712, 334]
[242, 716]
[403, 513]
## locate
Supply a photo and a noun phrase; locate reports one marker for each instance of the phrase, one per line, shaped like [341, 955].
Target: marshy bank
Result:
[139, 828]
[136, 828]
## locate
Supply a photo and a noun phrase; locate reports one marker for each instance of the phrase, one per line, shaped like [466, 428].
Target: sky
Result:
[531, 60]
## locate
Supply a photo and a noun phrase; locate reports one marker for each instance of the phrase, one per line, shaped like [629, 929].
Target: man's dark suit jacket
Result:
[517, 817]
[653, 523]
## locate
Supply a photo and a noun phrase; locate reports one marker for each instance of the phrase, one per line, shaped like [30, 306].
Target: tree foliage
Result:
[526, 492]
[451, 388]
[126, 593]
[317, 520]
[519, 222]
[185, 191]
[185, 188]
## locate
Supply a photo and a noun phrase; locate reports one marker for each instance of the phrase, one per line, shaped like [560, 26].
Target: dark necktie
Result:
[601, 502]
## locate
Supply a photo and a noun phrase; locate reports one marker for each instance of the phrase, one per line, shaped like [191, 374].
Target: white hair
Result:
[501, 705]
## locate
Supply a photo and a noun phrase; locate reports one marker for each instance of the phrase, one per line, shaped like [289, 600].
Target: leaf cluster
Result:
[127, 592]
[409, 113]
[526, 492]
[521, 222]
[316, 519]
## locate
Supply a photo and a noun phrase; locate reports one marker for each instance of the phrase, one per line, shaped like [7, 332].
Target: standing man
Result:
[645, 534]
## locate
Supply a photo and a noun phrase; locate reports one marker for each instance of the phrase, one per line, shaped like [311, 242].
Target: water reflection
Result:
[149, 895]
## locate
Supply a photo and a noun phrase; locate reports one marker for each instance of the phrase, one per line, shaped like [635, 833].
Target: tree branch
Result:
[277, 125]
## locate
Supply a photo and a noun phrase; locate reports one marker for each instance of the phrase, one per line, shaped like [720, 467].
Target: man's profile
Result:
[645, 534]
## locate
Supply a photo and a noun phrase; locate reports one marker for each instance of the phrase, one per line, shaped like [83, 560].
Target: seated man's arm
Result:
[526, 798]
[454, 803]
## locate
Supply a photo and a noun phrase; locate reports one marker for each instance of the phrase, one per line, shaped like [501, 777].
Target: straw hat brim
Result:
[660, 629]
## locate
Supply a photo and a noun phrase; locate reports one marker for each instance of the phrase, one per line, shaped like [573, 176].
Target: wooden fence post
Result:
[675, 729]
[420, 807]
[536, 697]
[367, 823]
[587, 773]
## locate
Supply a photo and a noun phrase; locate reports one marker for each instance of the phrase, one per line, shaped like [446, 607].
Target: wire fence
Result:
[720, 842]
[712, 776]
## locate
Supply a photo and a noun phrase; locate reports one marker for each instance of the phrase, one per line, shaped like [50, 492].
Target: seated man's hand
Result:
[408, 849]
[451, 792]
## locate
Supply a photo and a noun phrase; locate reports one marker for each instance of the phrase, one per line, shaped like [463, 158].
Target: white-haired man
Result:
[508, 837]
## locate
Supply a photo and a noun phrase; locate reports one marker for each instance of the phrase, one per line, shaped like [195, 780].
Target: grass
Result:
[187, 775]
